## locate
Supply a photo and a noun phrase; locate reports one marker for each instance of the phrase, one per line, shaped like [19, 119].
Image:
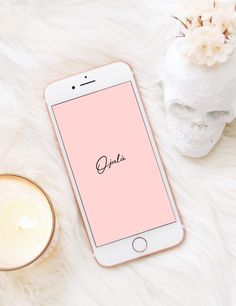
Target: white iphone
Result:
[113, 163]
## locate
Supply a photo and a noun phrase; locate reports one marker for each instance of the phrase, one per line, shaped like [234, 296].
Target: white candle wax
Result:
[26, 222]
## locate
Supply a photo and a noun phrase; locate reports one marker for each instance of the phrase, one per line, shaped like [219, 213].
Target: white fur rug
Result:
[43, 40]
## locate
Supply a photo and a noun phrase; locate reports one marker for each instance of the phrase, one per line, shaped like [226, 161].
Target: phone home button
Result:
[139, 244]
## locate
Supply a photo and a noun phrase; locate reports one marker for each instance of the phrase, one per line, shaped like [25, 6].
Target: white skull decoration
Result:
[199, 100]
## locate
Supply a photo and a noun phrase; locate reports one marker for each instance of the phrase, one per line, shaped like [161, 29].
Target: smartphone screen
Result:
[113, 164]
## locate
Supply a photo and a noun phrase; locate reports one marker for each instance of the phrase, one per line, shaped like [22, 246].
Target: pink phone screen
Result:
[113, 164]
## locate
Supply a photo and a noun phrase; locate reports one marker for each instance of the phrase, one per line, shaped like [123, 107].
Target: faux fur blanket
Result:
[43, 40]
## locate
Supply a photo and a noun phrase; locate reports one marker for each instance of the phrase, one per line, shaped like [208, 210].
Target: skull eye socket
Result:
[218, 115]
[181, 110]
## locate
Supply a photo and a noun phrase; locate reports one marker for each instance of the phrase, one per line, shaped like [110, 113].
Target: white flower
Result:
[205, 46]
[224, 20]
[209, 27]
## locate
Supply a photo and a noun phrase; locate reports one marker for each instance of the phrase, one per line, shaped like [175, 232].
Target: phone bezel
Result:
[106, 76]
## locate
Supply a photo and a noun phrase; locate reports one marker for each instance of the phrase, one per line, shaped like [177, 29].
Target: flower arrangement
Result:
[208, 30]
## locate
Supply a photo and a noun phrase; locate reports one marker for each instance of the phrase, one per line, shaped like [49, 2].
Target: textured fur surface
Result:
[41, 41]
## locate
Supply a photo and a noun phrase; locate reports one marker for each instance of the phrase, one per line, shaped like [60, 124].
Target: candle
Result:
[27, 222]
